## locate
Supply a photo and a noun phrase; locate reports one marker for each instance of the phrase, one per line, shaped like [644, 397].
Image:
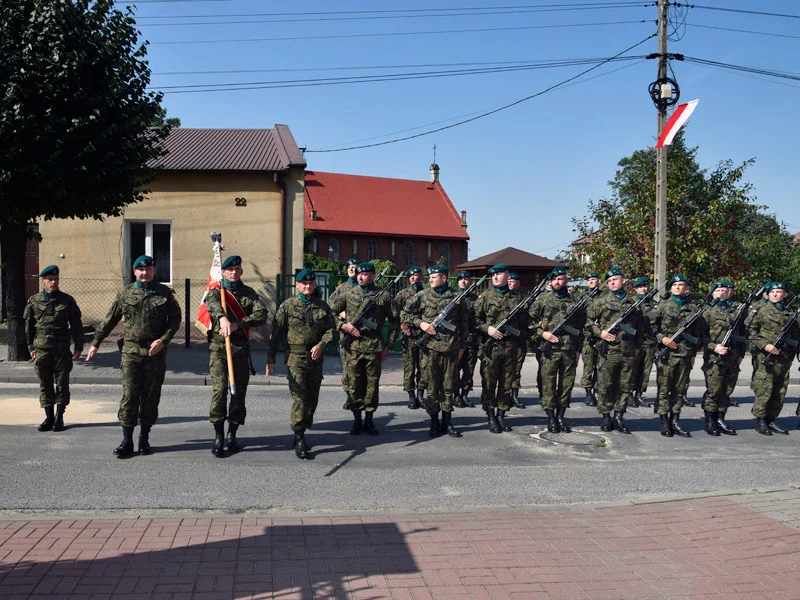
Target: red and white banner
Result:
[203, 322]
[676, 121]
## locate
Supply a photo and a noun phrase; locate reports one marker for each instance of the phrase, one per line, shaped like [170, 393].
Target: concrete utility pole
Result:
[660, 267]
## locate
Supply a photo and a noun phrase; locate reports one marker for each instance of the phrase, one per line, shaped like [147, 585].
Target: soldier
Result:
[499, 363]
[152, 317]
[307, 323]
[347, 285]
[673, 370]
[643, 365]
[245, 310]
[614, 367]
[442, 349]
[515, 285]
[721, 364]
[560, 354]
[770, 381]
[53, 320]
[469, 358]
[589, 377]
[367, 349]
[755, 357]
[412, 372]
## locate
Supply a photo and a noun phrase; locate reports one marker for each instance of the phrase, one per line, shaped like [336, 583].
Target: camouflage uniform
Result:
[643, 364]
[150, 312]
[588, 353]
[466, 366]
[721, 372]
[52, 322]
[304, 326]
[413, 379]
[341, 289]
[255, 316]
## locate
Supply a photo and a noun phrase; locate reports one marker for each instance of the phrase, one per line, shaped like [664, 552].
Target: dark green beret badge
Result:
[51, 270]
[143, 261]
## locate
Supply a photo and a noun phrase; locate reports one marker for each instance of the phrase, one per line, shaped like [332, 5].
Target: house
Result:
[532, 268]
[406, 221]
[578, 251]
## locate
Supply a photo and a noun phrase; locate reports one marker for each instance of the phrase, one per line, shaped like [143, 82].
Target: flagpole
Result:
[217, 237]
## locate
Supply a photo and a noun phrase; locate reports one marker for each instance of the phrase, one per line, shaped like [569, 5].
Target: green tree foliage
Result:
[76, 123]
[311, 261]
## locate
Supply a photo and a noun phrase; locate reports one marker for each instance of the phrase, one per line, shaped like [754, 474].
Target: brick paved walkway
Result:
[702, 548]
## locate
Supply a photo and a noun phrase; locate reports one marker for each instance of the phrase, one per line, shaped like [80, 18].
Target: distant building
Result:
[532, 268]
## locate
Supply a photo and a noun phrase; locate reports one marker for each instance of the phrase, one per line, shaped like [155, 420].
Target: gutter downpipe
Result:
[282, 234]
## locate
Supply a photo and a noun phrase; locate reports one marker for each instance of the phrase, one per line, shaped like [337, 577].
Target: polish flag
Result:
[203, 322]
[676, 121]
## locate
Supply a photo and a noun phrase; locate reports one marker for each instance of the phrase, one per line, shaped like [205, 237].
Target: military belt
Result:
[300, 347]
[135, 348]
[59, 332]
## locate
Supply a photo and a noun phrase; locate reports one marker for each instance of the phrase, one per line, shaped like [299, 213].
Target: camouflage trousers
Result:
[363, 378]
[53, 366]
[466, 367]
[497, 374]
[769, 384]
[412, 370]
[518, 369]
[720, 383]
[558, 377]
[642, 367]
[305, 379]
[589, 355]
[673, 381]
[440, 374]
[344, 355]
[613, 382]
[220, 410]
[142, 378]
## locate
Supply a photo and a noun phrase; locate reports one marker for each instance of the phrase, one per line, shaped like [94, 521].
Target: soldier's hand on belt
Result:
[351, 329]
[495, 333]
[156, 347]
[91, 353]
[772, 349]
[270, 368]
[721, 350]
[669, 343]
[226, 327]
[33, 354]
[316, 352]
[428, 328]
[609, 337]
[550, 337]
[75, 355]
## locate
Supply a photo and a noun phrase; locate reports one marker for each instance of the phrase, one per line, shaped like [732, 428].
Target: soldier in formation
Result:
[347, 285]
[469, 358]
[515, 285]
[588, 353]
[412, 372]
[643, 365]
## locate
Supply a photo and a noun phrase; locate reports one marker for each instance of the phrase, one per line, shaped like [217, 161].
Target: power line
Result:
[740, 11]
[782, 35]
[494, 111]
[744, 69]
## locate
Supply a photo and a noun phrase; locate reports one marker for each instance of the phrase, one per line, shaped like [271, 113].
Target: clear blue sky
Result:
[521, 174]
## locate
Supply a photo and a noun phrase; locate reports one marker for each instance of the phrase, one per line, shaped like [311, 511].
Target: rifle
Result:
[738, 321]
[361, 320]
[441, 318]
[563, 325]
[602, 345]
[505, 326]
[683, 333]
[781, 341]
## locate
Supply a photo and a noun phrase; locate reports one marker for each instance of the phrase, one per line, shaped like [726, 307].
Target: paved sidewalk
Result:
[717, 547]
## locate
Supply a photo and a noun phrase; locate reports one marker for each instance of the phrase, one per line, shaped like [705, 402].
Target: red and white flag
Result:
[679, 117]
[203, 322]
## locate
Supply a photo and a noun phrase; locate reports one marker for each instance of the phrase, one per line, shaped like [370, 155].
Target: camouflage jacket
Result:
[52, 321]
[648, 332]
[548, 311]
[303, 325]
[384, 310]
[668, 317]
[492, 307]
[718, 321]
[426, 305]
[767, 324]
[342, 288]
[601, 315]
[255, 312]
[149, 315]
[472, 326]
[400, 300]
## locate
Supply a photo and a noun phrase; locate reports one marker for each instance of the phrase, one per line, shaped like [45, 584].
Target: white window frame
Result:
[148, 245]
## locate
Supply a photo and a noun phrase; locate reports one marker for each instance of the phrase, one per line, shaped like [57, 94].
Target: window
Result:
[446, 252]
[153, 239]
[355, 247]
[394, 252]
[333, 249]
[408, 255]
[372, 250]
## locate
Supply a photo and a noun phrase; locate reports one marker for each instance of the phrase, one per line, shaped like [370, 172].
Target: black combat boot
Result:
[144, 441]
[218, 449]
[552, 422]
[607, 424]
[562, 422]
[675, 423]
[358, 424]
[465, 399]
[711, 424]
[590, 397]
[421, 397]
[413, 403]
[125, 448]
[666, 429]
[515, 398]
[501, 420]
[348, 403]
[458, 400]
[232, 444]
[619, 422]
[723, 427]
[732, 402]
[773, 426]
[687, 402]
[447, 425]
[49, 419]
[58, 424]
[494, 426]
[369, 426]
[761, 427]
[434, 429]
[644, 401]
[633, 400]
[300, 448]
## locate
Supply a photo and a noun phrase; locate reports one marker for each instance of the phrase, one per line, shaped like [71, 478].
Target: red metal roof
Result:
[513, 257]
[379, 205]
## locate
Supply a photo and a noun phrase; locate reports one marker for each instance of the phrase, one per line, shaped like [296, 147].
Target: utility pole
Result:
[661, 92]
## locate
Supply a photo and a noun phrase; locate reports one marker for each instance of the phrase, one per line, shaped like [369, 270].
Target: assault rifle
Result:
[361, 320]
[505, 326]
[441, 318]
[563, 325]
[736, 324]
[781, 341]
[683, 333]
[602, 345]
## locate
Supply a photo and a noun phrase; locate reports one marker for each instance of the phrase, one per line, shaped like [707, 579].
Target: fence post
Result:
[188, 283]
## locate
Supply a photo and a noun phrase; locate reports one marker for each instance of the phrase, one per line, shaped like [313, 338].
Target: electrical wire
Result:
[781, 35]
[740, 11]
[744, 69]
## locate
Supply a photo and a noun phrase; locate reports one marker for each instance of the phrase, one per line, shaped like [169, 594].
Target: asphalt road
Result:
[399, 470]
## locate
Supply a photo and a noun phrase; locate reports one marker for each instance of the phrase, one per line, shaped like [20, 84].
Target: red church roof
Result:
[378, 205]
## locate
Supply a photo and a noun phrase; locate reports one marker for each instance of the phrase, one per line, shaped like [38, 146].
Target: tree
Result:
[76, 124]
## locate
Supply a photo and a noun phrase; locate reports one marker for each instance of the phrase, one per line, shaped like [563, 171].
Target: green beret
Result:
[613, 272]
[413, 270]
[51, 270]
[549, 276]
[498, 268]
[774, 285]
[439, 269]
[640, 281]
[305, 275]
[677, 278]
[143, 261]
[721, 283]
[232, 261]
[366, 267]
[464, 275]
[353, 261]
[593, 274]
[557, 272]
[512, 275]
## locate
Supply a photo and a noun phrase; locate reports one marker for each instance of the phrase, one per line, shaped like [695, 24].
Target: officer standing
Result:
[152, 317]
[643, 365]
[469, 358]
[367, 349]
[442, 348]
[347, 285]
[307, 324]
[588, 353]
[245, 310]
[53, 321]
[515, 285]
[413, 383]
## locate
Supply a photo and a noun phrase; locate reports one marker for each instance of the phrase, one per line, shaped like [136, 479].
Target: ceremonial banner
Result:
[676, 121]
